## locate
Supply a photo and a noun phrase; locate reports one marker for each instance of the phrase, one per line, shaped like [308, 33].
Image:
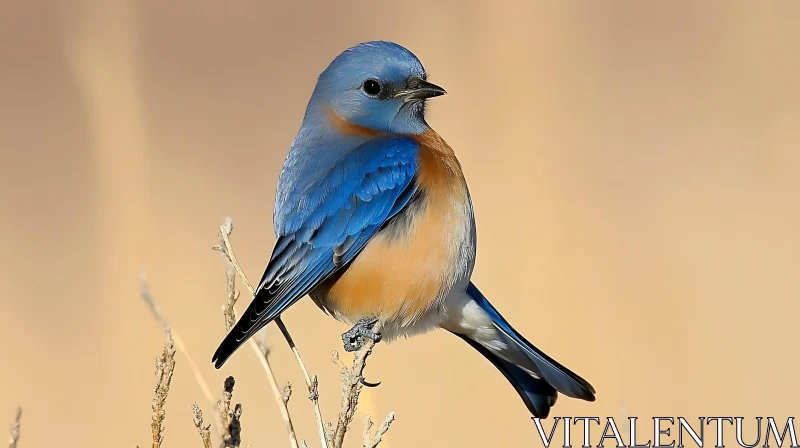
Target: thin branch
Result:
[228, 309]
[144, 290]
[263, 357]
[311, 382]
[202, 429]
[372, 441]
[235, 428]
[226, 249]
[367, 438]
[352, 383]
[13, 436]
[231, 417]
[260, 349]
[287, 393]
[165, 367]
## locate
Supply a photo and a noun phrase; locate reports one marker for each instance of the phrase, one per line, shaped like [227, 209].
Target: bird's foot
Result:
[353, 339]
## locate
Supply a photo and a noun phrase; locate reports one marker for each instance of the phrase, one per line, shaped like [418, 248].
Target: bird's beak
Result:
[419, 89]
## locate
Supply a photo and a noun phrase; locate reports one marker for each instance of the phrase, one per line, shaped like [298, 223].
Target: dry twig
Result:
[225, 247]
[263, 355]
[147, 296]
[372, 441]
[165, 367]
[231, 417]
[228, 309]
[260, 349]
[144, 290]
[311, 382]
[13, 436]
[352, 383]
[202, 429]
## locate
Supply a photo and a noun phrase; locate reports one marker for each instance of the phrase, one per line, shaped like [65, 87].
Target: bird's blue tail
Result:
[538, 395]
[535, 376]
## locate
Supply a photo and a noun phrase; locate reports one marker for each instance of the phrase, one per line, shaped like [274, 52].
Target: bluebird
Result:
[375, 223]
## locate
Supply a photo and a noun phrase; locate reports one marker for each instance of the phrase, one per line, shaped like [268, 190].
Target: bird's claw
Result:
[354, 338]
[366, 383]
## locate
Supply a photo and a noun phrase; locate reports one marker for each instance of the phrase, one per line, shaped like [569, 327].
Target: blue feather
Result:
[337, 213]
[537, 394]
[558, 376]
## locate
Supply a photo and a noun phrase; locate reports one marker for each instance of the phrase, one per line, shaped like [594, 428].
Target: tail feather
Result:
[560, 377]
[534, 375]
[537, 394]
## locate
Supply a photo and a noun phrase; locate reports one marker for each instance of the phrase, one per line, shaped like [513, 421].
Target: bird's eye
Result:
[371, 87]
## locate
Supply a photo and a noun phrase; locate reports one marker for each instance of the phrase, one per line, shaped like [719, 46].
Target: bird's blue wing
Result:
[324, 225]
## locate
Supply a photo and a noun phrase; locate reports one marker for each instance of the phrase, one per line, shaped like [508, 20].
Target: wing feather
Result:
[324, 224]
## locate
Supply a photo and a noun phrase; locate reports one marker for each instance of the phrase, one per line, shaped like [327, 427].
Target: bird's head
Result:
[375, 86]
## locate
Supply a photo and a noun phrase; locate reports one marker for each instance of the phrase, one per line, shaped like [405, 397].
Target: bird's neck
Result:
[323, 120]
[345, 127]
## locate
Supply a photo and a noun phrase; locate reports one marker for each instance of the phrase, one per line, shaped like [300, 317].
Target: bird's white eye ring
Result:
[372, 87]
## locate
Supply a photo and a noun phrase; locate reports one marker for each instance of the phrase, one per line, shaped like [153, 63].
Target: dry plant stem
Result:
[165, 367]
[372, 441]
[224, 410]
[235, 428]
[151, 303]
[313, 385]
[231, 417]
[367, 431]
[147, 296]
[202, 429]
[282, 404]
[13, 436]
[228, 309]
[261, 350]
[351, 389]
[227, 249]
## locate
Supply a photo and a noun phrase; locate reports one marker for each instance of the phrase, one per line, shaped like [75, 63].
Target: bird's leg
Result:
[353, 339]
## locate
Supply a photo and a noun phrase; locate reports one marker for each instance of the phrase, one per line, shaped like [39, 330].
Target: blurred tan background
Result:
[634, 167]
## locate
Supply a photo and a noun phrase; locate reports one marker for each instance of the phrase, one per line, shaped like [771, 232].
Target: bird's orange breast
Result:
[401, 273]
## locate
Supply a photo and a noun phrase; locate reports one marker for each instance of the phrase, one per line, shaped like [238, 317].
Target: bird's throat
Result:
[346, 127]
